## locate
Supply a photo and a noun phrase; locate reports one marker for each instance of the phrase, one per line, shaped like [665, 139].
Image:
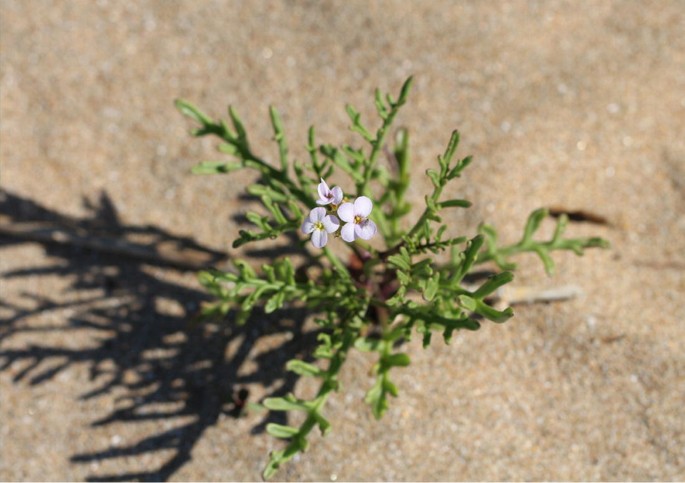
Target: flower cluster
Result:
[320, 222]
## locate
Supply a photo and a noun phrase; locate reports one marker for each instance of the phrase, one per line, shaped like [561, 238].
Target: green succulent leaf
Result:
[281, 431]
[284, 404]
[481, 308]
[303, 368]
[392, 360]
[493, 283]
[188, 109]
[216, 167]
[455, 203]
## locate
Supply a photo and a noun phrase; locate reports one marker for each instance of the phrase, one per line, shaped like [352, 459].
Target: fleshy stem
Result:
[437, 186]
[238, 144]
[377, 144]
[384, 255]
[329, 385]
[528, 244]
[401, 156]
[337, 264]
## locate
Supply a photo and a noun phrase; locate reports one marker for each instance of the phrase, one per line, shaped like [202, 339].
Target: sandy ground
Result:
[572, 104]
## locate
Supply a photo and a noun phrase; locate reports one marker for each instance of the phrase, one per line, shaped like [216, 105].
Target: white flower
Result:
[327, 196]
[319, 224]
[356, 217]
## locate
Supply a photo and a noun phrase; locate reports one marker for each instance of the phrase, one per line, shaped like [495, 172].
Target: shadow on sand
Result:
[146, 344]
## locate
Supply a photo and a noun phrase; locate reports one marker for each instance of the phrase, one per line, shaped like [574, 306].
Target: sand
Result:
[579, 105]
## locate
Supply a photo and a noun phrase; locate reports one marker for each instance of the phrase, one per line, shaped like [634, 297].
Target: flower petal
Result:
[346, 212]
[307, 227]
[337, 193]
[331, 223]
[365, 230]
[317, 214]
[347, 232]
[362, 206]
[323, 191]
[319, 238]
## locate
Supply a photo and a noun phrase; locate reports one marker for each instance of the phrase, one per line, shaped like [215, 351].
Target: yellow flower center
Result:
[358, 219]
[318, 225]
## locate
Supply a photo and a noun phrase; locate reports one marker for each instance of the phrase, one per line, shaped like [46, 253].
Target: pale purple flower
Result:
[319, 224]
[327, 196]
[355, 215]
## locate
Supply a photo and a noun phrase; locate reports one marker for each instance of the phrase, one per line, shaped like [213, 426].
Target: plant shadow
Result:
[142, 319]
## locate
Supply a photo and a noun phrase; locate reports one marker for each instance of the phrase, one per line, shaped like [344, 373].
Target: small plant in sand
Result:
[388, 287]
